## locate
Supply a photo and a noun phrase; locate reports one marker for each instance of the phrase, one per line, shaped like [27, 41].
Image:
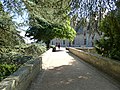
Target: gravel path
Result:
[64, 71]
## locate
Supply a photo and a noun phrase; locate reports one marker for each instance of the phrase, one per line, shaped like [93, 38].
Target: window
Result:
[63, 42]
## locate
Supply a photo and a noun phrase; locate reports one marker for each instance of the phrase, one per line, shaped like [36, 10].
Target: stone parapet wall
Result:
[22, 78]
[109, 66]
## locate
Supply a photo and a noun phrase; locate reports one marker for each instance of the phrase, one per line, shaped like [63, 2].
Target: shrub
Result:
[12, 58]
[7, 69]
[109, 44]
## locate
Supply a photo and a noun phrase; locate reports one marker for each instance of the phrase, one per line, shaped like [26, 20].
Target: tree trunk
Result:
[48, 44]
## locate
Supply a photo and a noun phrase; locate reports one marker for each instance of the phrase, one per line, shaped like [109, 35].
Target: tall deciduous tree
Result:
[51, 10]
[45, 31]
[92, 10]
[49, 20]
[110, 25]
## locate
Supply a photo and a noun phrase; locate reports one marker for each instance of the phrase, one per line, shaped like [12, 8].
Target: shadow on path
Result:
[64, 71]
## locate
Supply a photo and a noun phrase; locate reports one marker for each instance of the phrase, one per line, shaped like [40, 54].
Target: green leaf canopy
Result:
[43, 30]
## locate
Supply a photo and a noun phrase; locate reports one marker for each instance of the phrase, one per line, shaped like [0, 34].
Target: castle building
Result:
[83, 38]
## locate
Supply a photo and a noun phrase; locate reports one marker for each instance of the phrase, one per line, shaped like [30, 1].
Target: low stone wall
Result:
[21, 79]
[109, 66]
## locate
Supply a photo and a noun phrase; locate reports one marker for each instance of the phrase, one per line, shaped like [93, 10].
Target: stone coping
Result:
[109, 66]
[21, 79]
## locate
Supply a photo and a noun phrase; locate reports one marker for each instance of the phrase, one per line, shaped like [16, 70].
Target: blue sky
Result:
[22, 29]
[20, 19]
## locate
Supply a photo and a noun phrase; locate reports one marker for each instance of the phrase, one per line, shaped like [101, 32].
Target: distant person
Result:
[56, 44]
[59, 45]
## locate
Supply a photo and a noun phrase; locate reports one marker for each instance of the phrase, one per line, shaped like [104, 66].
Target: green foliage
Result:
[7, 69]
[5, 21]
[20, 53]
[108, 45]
[16, 7]
[54, 11]
[13, 50]
[12, 58]
[9, 36]
[34, 49]
[48, 20]
[43, 30]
